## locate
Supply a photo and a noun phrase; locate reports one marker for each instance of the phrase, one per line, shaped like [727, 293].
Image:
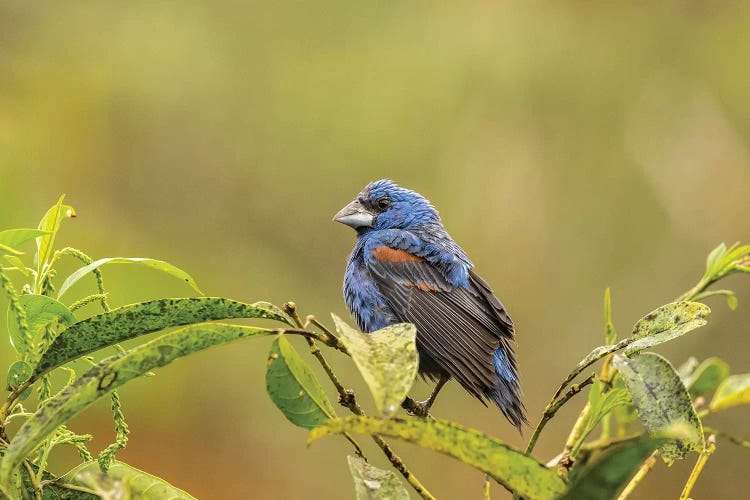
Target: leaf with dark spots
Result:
[666, 323]
[111, 373]
[131, 321]
[512, 468]
[661, 400]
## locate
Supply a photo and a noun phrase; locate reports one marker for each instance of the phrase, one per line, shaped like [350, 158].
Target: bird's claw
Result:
[419, 409]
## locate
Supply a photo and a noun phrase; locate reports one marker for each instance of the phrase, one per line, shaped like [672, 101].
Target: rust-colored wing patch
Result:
[422, 286]
[387, 254]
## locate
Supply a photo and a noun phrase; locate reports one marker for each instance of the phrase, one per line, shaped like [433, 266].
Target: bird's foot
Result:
[419, 408]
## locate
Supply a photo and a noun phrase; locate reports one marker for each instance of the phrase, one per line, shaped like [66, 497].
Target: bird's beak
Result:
[355, 215]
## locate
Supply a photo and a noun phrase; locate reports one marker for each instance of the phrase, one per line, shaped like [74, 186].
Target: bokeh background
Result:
[569, 147]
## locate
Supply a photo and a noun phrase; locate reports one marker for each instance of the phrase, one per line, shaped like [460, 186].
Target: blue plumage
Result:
[406, 268]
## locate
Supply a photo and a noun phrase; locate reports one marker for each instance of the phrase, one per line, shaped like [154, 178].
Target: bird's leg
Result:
[422, 408]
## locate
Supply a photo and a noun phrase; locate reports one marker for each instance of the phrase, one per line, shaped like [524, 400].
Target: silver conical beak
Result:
[355, 215]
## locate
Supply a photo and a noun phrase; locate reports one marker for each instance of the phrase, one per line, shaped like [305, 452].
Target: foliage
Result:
[50, 334]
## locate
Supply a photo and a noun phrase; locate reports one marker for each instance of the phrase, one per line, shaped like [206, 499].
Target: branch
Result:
[346, 396]
[639, 476]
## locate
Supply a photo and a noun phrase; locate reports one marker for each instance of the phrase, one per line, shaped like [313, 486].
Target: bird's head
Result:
[384, 204]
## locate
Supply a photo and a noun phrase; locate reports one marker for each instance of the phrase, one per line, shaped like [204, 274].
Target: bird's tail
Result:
[506, 393]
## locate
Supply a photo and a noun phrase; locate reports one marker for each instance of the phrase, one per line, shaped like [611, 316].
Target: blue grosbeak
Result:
[406, 268]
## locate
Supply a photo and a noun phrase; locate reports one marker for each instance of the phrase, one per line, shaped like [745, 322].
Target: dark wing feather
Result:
[458, 327]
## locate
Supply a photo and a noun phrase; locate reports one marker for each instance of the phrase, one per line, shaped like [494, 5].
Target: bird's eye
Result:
[383, 203]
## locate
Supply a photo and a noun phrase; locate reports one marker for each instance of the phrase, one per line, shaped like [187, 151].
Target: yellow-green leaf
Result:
[510, 467]
[734, 391]
[50, 224]
[666, 323]
[155, 264]
[294, 388]
[372, 483]
[661, 400]
[122, 481]
[387, 360]
[14, 238]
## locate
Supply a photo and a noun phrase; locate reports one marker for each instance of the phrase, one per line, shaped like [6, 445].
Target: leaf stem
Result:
[348, 399]
[639, 476]
[702, 459]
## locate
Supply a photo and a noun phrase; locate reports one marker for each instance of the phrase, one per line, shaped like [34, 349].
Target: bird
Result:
[406, 268]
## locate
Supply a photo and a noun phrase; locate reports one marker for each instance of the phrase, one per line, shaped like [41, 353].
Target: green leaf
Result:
[510, 467]
[372, 483]
[294, 388]
[40, 312]
[733, 391]
[625, 414]
[50, 224]
[387, 360]
[732, 257]
[131, 321]
[124, 479]
[18, 264]
[14, 238]
[159, 265]
[609, 474]
[18, 373]
[602, 404]
[661, 400]
[111, 373]
[666, 323]
[713, 260]
[706, 377]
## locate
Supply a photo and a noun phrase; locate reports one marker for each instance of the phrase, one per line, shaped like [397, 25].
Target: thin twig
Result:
[604, 444]
[702, 459]
[553, 407]
[639, 476]
[728, 437]
[348, 399]
[573, 443]
[34, 481]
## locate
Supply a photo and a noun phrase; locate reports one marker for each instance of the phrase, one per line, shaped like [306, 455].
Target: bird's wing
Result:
[459, 327]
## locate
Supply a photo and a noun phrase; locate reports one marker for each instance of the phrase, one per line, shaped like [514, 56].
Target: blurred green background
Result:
[569, 147]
